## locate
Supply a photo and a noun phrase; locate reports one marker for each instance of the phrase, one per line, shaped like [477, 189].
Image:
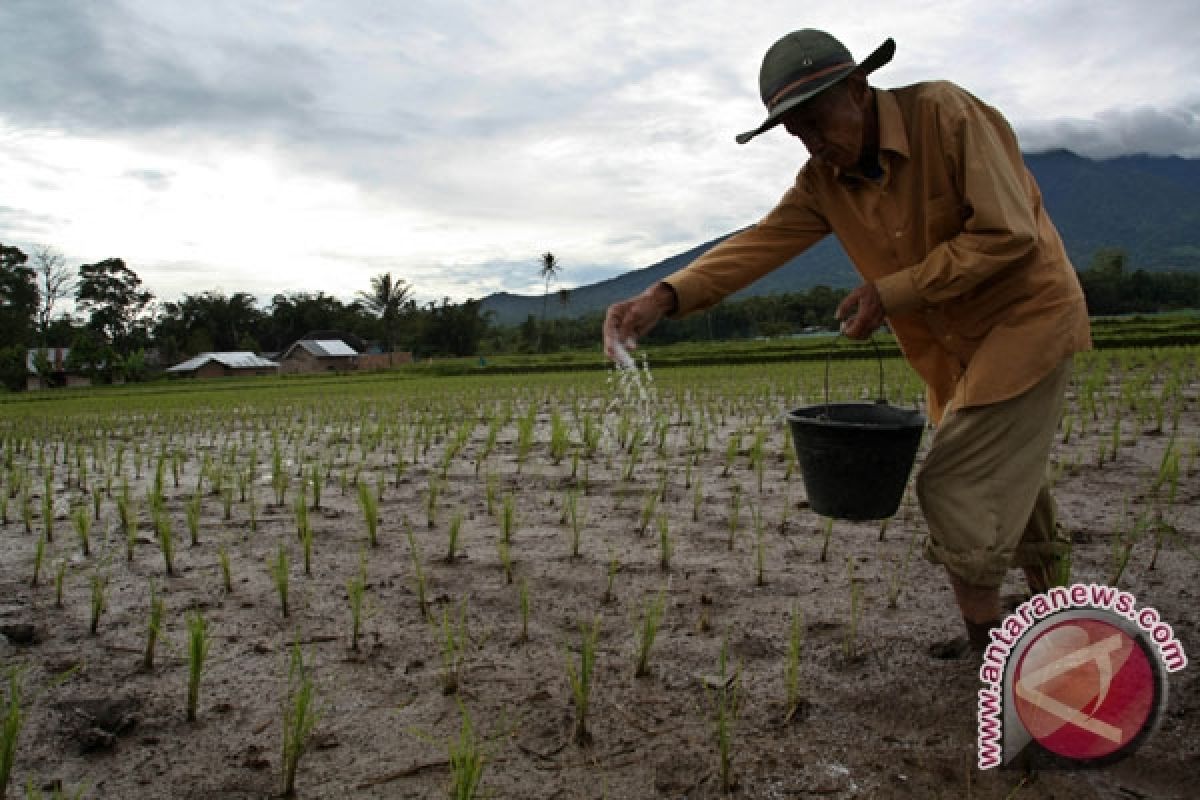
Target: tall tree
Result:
[386, 300]
[549, 271]
[112, 296]
[209, 321]
[55, 283]
[18, 298]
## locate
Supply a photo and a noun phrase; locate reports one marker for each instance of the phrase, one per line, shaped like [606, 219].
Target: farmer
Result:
[926, 190]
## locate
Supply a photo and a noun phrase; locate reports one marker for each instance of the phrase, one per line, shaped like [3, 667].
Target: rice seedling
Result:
[32, 792]
[731, 450]
[226, 571]
[27, 509]
[791, 664]
[99, 600]
[97, 501]
[306, 545]
[574, 517]
[418, 571]
[83, 529]
[278, 568]
[10, 728]
[896, 579]
[356, 589]
[466, 761]
[735, 513]
[490, 491]
[300, 510]
[48, 510]
[560, 438]
[850, 643]
[580, 678]
[316, 481]
[647, 632]
[369, 505]
[649, 505]
[300, 717]
[613, 567]
[726, 707]
[252, 512]
[60, 578]
[166, 539]
[827, 527]
[508, 517]
[197, 651]
[1062, 565]
[504, 551]
[665, 546]
[635, 456]
[226, 502]
[192, 515]
[153, 629]
[431, 501]
[525, 428]
[453, 648]
[452, 540]
[128, 512]
[39, 553]
[758, 457]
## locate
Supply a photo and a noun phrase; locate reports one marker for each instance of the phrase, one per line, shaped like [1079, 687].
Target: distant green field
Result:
[670, 363]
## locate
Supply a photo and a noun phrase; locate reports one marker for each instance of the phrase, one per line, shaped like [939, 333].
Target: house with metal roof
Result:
[224, 365]
[319, 355]
[47, 367]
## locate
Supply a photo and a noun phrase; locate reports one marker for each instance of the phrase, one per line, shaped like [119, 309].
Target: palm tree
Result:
[385, 300]
[549, 271]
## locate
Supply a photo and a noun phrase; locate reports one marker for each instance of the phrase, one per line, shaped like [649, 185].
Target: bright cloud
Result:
[267, 147]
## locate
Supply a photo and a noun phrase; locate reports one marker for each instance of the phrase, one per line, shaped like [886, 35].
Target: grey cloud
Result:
[23, 228]
[153, 179]
[1119, 132]
[92, 67]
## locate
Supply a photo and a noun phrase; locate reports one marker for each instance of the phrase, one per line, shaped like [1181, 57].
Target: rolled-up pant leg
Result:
[982, 485]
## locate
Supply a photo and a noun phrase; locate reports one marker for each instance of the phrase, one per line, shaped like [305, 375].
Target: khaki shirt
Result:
[974, 279]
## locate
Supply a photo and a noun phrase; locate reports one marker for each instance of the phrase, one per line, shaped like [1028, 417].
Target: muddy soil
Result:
[878, 717]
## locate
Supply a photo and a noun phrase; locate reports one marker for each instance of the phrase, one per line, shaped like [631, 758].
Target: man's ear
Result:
[856, 85]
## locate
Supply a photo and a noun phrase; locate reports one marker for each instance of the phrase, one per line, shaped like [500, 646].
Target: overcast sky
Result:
[275, 146]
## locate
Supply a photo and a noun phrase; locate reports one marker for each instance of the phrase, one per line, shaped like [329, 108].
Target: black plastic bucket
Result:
[855, 458]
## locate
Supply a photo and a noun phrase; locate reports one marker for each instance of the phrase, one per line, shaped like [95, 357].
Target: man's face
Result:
[832, 124]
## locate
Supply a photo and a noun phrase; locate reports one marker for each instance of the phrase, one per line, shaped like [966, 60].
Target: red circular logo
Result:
[1084, 689]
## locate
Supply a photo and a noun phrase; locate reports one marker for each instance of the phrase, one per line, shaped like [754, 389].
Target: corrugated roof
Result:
[327, 347]
[239, 359]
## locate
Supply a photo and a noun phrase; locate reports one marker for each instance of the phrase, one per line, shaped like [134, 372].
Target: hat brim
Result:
[882, 55]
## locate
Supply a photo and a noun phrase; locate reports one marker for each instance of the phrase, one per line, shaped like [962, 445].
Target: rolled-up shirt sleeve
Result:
[787, 230]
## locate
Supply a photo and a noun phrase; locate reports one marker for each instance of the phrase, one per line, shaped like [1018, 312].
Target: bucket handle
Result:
[878, 357]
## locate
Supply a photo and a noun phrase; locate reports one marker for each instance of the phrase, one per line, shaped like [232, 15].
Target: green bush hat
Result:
[803, 64]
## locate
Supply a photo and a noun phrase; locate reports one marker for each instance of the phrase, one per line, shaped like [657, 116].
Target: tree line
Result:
[116, 321]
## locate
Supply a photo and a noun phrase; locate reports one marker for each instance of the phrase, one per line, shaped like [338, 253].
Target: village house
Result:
[224, 365]
[46, 368]
[319, 355]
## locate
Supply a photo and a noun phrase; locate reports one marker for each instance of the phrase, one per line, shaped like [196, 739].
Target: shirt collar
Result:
[892, 136]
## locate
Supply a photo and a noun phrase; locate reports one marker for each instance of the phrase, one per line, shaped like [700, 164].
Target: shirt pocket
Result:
[943, 220]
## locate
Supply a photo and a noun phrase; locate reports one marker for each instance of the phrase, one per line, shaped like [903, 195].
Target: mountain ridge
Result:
[1148, 206]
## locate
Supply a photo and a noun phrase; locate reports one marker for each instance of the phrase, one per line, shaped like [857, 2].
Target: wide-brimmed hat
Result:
[803, 64]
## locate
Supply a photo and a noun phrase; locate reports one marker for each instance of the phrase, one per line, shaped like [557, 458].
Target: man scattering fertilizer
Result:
[926, 190]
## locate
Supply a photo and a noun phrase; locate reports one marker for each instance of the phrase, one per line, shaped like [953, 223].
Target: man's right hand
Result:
[631, 319]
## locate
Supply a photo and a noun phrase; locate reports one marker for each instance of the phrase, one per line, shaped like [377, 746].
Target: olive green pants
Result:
[982, 486]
